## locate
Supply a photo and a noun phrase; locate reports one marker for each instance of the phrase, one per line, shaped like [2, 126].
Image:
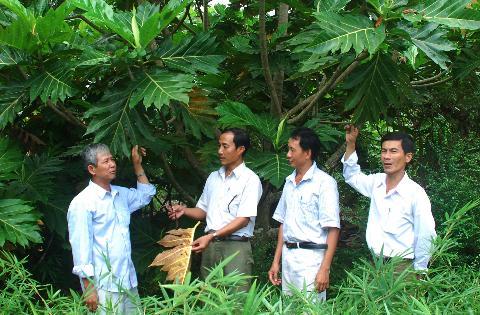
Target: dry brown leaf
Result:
[176, 260]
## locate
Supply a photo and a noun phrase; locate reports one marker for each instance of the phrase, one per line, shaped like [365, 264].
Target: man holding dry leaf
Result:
[229, 205]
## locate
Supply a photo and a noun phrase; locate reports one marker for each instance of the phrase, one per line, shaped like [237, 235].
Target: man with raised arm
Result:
[98, 226]
[229, 205]
[308, 212]
[400, 221]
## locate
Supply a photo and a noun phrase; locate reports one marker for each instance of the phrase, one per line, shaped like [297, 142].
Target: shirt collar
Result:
[308, 175]
[401, 188]
[237, 171]
[100, 192]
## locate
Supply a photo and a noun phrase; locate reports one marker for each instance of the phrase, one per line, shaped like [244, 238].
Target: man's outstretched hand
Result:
[137, 154]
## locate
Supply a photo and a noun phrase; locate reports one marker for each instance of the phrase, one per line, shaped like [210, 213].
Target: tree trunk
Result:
[278, 74]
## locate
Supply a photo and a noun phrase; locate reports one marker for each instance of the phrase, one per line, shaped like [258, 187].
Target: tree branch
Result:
[87, 21]
[336, 78]
[264, 58]
[278, 75]
[431, 79]
[182, 20]
[179, 128]
[417, 86]
[66, 116]
[171, 177]
[205, 16]
[334, 159]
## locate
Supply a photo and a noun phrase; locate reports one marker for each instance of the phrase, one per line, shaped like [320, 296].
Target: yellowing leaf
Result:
[176, 261]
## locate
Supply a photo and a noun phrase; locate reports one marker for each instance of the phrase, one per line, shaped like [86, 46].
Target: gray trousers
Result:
[220, 250]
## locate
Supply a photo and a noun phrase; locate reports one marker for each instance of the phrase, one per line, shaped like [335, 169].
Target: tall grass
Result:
[369, 288]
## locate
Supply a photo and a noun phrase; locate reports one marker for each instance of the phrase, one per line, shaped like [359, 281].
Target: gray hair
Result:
[90, 153]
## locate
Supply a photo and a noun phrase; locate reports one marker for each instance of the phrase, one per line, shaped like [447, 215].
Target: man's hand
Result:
[201, 243]
[175, 211]
[91, 299]
[137, 156]
[351, 134]
[322, 280]
[273, 274]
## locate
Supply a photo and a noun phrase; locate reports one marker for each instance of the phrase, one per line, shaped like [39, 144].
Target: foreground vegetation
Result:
[369, 288]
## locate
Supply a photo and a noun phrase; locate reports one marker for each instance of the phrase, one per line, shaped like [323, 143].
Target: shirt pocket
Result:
[309, 207]
[399, 220]
[123, 216]
[101, 215]
[232, 203]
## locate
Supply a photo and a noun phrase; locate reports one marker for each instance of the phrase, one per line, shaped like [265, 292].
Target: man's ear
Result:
[241, 149]
[408, 157]
[309, 153]
[91, 169]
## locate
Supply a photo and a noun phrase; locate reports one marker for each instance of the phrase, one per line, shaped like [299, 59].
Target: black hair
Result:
[240, 138]
[408, 145]
[308, 140]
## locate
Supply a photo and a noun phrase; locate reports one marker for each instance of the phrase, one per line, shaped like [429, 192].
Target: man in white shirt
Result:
[400, 221]
[308, 211]
[229, 205]
[98, 226]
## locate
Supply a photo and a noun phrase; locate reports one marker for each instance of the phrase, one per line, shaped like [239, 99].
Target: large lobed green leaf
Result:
[9, 57]
[453, 13]
[54, 83]
[342, 32]
[11, 100]
[139, 27]
[10, 160]
[36, 179]
[235, 114]
[330, 5]
[116, 124]
[270, 166]
[194, 53]
[18, 223]
[376, 85]
[433, 42]
[160, 88]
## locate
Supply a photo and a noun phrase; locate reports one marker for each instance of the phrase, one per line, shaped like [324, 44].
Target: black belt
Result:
[306, 245]
[235, 238]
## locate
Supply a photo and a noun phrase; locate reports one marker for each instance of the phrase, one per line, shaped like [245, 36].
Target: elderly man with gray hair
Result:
[98, 226]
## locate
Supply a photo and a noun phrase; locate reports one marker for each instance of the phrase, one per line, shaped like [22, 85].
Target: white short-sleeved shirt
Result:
[400, 222]
[226, 198]
[308, 208]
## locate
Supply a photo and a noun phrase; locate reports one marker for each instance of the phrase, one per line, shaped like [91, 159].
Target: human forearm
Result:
[140, 174]
[232, 227]
[332, 240]
[351, 147]
[195, 213]
[278, 250]
[201, 243]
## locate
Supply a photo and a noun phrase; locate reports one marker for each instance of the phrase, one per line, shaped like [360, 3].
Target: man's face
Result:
[228, 153]
[296, 155]
[106, 168]
[394, 159]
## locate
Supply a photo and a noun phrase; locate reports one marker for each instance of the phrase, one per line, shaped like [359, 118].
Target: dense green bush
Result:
[367, 289]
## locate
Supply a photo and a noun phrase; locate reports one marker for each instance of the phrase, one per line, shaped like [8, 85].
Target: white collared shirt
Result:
[308, 208]
[400, 221]
[98, 226]
[226, 198]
